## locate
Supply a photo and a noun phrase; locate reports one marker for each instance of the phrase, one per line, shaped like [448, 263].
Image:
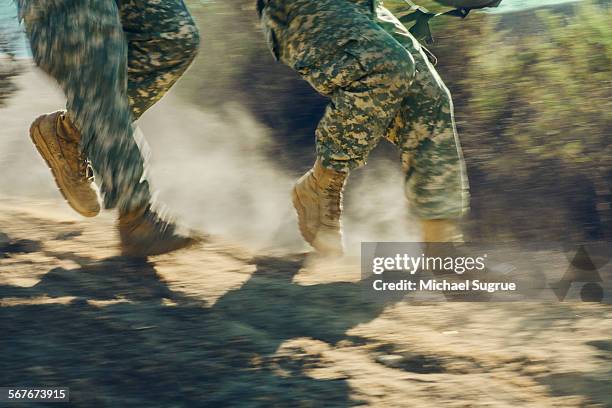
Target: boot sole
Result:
[43, 149]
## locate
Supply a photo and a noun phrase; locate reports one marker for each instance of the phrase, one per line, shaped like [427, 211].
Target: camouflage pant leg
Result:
[81, 44]
[338, 48]
[162, 42]
[424, 130]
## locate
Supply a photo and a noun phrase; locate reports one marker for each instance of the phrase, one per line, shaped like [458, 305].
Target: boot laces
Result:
[85, 169]
[333, 198]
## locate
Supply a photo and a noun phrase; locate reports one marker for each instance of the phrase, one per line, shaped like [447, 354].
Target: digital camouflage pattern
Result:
[113, 60]
[381, 84]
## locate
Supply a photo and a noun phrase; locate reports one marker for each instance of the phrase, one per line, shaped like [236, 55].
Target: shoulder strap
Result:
[420, 16]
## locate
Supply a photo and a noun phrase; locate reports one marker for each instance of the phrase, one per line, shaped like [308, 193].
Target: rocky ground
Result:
[217, 325]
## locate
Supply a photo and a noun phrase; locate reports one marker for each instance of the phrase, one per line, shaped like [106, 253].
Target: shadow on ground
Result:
[124, 338]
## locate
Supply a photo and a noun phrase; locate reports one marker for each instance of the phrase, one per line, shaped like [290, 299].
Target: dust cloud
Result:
[214, 172]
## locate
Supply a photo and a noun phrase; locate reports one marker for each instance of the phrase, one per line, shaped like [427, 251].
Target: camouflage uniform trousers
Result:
[113, 59]
[381, 84]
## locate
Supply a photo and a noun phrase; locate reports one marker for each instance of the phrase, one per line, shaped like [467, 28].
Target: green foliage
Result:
[536, 119]
[553, 90]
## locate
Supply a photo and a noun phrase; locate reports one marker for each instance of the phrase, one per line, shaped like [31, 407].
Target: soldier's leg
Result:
[162, 42]
[424, 129]
[81, 44]
[337, 47]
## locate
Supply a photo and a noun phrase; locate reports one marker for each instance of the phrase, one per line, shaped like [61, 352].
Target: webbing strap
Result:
[420, 16]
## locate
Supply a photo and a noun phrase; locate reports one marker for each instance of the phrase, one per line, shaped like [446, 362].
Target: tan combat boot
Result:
[445, 230]
[317, 198]
[57, 141]
[144, 232]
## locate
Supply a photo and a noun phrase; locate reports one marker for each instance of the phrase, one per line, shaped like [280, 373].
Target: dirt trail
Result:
[217, 325]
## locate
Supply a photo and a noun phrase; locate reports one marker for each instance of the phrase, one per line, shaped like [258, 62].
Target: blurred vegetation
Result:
[537, 123]
[9, 68]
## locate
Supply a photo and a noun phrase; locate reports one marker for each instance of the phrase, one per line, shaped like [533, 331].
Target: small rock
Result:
[390, 360]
